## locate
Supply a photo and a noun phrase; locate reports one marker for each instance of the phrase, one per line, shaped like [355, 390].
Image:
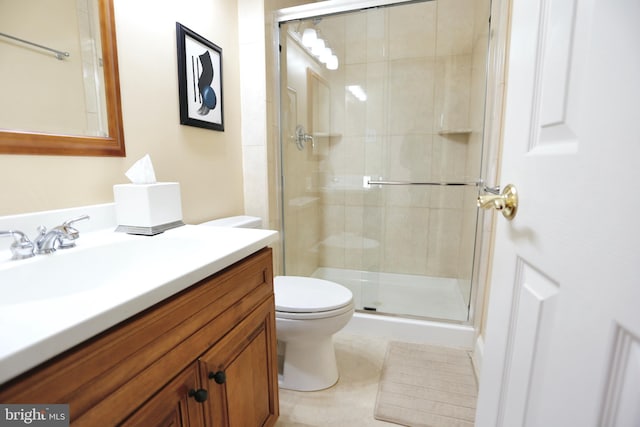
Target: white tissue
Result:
[142, 171]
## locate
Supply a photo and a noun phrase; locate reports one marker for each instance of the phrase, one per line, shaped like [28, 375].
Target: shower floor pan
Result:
[402, 294]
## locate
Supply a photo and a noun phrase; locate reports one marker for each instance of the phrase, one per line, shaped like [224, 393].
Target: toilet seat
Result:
[300, 297]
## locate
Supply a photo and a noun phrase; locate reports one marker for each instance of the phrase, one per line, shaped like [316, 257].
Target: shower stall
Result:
[381, 122]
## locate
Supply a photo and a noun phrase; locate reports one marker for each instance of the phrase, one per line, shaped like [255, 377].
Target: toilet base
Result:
[309, 365]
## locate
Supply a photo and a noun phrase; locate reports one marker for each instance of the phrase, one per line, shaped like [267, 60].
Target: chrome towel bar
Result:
[473, 183]
[367, 182]
[59, 54]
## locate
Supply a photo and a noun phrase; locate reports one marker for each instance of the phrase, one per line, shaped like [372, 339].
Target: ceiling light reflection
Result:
[358, 92]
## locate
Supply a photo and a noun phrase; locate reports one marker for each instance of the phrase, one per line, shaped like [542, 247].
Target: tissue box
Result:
[148, 208]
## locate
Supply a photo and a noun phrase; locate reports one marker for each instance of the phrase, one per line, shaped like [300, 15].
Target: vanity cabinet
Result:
[235, 373]
[172, 406]
[204, 357]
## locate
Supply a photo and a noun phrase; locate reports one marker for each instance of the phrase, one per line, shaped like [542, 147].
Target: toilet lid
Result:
[296, 294]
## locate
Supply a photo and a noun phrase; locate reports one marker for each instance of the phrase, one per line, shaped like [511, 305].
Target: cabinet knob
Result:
[199, 395]
[219, 377]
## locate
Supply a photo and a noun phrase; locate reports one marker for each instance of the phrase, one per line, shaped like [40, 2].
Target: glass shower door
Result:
[404, 115]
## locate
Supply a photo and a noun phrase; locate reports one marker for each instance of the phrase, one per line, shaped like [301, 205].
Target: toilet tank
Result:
[240, 221]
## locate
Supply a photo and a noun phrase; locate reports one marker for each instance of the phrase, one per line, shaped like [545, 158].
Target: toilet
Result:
[309, 312]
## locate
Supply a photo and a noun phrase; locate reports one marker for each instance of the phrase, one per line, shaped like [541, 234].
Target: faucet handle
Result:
[21, 247]
[70, 234]
[68, 222]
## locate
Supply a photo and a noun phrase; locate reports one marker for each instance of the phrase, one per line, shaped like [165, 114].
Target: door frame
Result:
[492, 157]
[329, 7]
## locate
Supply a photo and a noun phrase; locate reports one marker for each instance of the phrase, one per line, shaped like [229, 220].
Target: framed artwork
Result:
[199, 80]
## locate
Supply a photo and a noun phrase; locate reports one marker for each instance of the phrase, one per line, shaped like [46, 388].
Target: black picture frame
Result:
[199, 80]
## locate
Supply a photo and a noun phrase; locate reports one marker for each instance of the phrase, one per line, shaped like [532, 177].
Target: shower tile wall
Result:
[415, 90]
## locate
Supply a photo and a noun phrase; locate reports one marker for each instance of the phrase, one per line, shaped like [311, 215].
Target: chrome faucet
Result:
[64, 235]
[70, 233]
[61, 237]
[46, 241]
[21, 247]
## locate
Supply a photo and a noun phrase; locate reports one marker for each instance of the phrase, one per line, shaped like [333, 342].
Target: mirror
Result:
[30, 123]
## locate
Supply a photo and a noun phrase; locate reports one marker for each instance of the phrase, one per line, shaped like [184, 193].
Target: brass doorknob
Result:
[507, 202]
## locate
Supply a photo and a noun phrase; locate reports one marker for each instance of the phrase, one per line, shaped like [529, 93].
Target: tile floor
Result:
[349, 403]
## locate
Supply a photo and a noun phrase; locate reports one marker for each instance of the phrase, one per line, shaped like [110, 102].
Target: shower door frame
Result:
[495, 62]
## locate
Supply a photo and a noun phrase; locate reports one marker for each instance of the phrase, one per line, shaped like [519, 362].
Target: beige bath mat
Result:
[424, 385]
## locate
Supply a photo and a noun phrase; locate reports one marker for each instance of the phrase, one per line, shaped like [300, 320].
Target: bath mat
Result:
[424, 385]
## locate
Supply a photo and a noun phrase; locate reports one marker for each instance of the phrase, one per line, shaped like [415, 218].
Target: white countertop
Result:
[46, 322]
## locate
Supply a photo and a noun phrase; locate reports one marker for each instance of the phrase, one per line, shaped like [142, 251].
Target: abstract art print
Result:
[199, 80]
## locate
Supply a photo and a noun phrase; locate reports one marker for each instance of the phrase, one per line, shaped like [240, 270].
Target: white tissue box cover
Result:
[147, 205]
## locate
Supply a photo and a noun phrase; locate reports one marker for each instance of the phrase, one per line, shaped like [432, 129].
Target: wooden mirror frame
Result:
[26, 142]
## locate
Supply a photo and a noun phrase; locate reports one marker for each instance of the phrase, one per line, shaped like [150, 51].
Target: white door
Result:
[563, 332]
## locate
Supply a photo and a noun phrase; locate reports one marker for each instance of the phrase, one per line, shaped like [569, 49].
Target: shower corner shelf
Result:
[454, 132]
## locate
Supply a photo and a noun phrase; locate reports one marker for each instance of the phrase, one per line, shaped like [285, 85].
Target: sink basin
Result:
[105, 266]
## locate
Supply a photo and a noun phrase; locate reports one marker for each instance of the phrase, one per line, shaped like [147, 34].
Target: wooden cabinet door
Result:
[172, 406]
[241, 373]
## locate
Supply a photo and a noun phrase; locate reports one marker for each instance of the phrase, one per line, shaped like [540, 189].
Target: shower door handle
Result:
[506, 202]
[367, 182]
